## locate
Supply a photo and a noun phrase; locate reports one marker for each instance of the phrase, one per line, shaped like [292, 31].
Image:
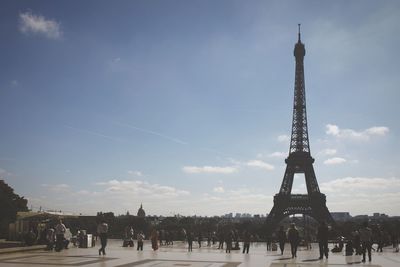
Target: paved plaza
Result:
[176, 255]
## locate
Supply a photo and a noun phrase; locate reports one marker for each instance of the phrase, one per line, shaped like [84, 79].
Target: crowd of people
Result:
[359, 243]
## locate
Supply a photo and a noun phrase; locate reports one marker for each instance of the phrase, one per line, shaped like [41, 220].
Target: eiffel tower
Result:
[299, 160]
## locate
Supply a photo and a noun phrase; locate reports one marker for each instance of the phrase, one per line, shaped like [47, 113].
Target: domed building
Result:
[141, 212]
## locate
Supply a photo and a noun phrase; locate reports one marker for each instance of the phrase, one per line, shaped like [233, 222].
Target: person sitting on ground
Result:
[336, 249]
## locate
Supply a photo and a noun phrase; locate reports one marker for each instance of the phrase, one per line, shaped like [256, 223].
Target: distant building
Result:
[141, 212]
[341, 216]
[361, 217]
[377, 215]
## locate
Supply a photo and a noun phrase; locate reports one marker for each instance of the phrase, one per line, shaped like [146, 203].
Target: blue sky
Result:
[186, 106]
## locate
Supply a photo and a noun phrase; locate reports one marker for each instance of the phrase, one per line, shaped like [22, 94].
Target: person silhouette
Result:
[281, 239]
[366, 240]
[102, 230]
[322, 236]
[294, 238]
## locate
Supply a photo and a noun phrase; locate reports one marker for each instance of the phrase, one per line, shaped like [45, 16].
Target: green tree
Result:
[10, 204]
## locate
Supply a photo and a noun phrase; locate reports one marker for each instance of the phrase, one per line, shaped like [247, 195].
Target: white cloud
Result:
[210, 169]
[219, 189]
[283, 138]
[135, 173]
[104, 196]
[278, 155]
[260, 164]
[344, 194]
[363, 195]
[381, 131]
[37, 24]
[329, 152]
[334, 161]
[299, 189]
[332, 129]
[351, 184]
[364, 135]
[142, 188]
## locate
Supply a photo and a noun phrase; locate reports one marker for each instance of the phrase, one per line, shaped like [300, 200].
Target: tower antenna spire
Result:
[299, 31]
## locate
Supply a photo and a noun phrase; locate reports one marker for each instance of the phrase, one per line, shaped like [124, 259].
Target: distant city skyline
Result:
[186, 106]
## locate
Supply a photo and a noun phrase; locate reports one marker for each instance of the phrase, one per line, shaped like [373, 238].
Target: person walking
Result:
[281, 239]
[140, 238]
[199, 239]
[60, 232]
[269, 242]
[102, 230]
[357, 242]
[380, 241]
[366, 240]
[161, 236]
[395, 242]
[209, 237]
[154, 239]
[294, 238]
[221, 240]
[190, 241]
[228, 240]
[246, 242]
[322, 237]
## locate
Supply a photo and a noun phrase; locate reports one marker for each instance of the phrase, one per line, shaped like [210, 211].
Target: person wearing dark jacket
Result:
[228, 241]
[246, 241]
[294, 238]
[366, 240]
[190, 241]
[322, 236]
[281, 239]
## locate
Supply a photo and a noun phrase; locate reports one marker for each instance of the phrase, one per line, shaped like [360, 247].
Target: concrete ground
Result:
[177, 255]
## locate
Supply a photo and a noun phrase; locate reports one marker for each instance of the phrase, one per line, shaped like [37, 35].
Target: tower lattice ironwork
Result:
[299, 160]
